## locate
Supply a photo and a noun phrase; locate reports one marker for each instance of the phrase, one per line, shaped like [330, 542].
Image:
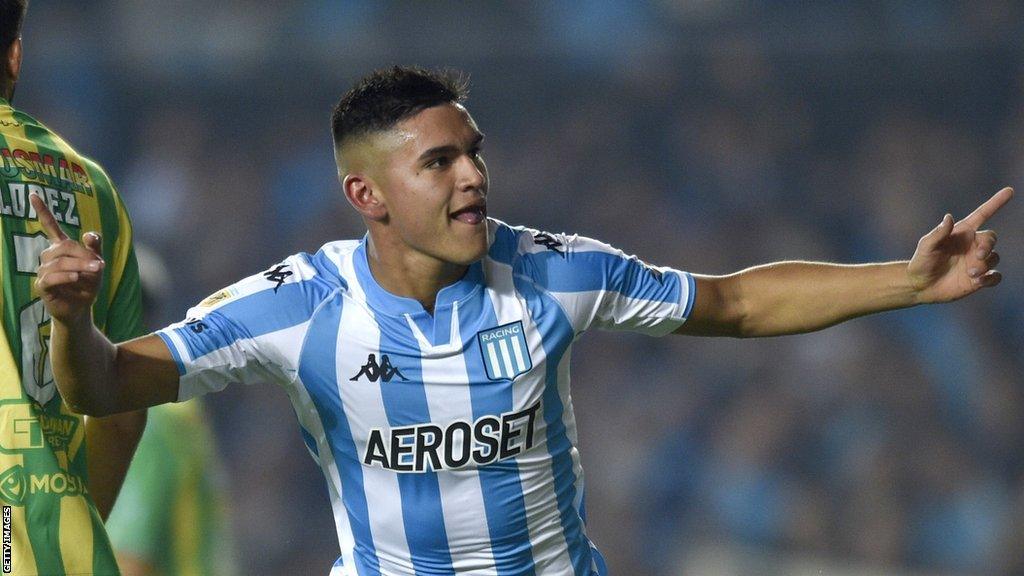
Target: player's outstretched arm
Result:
[93, 375]
[952, 261]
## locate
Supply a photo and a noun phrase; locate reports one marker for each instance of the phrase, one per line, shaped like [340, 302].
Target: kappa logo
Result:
[278, 274]
[548, 241]
[383, 371]
[505, 352]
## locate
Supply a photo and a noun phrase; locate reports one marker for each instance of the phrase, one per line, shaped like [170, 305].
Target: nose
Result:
[472, 174]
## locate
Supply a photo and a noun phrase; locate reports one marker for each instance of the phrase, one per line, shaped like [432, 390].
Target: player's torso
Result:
[42, 449]
[451, 434]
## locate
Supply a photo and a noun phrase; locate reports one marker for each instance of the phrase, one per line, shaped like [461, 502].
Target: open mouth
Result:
[472, 215]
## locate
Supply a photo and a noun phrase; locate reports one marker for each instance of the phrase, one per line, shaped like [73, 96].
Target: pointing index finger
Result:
[990, 207]
[46, 219]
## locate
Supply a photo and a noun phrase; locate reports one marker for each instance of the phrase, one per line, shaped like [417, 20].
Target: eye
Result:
[439, 162]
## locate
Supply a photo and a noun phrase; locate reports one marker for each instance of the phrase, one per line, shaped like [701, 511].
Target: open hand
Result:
[956, 259]
[69, 272]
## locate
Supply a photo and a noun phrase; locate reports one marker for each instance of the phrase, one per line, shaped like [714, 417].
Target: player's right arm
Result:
[93, 375]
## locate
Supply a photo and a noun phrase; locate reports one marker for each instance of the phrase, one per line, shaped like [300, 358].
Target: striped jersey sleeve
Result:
[601, 286]
[247, 332]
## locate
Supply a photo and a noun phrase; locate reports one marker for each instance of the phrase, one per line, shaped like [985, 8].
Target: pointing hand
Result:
[69, 274]
[956, 259]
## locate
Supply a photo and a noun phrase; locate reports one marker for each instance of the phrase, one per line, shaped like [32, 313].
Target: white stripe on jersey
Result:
[462, 497]
[550, 550]
[364, 409]
[579, 307]
[236, 359]
[309, 419]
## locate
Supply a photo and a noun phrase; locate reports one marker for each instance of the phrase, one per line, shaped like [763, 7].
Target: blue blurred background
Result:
[708, 135]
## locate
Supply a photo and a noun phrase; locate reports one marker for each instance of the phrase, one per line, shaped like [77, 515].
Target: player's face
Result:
[434, 183]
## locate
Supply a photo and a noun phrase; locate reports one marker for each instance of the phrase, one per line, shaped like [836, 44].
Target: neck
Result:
[411, 274]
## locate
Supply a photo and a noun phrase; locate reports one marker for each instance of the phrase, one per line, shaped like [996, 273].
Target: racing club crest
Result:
[505, 352]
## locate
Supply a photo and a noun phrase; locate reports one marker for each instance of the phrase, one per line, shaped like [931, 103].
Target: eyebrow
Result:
[449, 148]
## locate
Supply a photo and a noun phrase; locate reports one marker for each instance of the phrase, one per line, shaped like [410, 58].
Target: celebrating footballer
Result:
[428, 362]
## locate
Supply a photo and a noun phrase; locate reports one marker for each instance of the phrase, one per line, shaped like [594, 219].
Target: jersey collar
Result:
[385, 302]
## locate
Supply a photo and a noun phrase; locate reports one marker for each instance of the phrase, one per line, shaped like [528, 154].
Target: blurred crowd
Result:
[708, 136]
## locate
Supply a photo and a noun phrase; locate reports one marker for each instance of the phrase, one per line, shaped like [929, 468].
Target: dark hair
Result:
[12, 14]
[388, 96]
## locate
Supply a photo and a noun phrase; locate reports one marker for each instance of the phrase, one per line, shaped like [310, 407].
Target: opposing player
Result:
[58, 473]
[428, 363]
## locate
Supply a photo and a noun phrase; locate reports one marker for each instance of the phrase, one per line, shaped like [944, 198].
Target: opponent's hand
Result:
[69, 274]
[955, 260]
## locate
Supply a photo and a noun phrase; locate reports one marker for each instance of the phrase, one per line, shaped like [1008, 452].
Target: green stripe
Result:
[42, 511]
[110, 227]
[16, 288]
[124, 320]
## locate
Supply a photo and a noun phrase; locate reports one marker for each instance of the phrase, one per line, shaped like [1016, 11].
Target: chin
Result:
[468, 253]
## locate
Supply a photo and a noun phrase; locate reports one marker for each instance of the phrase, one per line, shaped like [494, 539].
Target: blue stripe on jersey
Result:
[262, 313]
[318, 371]
[502, 491]
[691, 294]
[587, 271]
[505, 245]
[322, 263]
[174, 352]
[405, 403]
[556, 335]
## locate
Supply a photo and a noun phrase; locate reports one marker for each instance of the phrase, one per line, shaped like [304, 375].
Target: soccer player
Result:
[58, 473]
[428, 362]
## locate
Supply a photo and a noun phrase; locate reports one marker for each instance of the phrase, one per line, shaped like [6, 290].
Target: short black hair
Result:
[390, 95]
[12, 14]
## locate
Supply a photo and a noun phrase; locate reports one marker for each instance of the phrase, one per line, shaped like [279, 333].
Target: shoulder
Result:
[293, 286]
[534, 252]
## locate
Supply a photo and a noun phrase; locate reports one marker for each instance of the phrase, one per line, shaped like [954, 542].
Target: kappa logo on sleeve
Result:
[505, 352]
[278, 274]
[550, 242]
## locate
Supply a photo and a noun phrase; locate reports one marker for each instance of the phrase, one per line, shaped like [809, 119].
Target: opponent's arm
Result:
[952, 261]
[111, 443]
[93, 375]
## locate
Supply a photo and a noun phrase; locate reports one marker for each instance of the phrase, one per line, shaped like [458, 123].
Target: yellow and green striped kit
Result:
[56, 529]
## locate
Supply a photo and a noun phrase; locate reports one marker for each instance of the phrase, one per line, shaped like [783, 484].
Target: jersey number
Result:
[36, 372]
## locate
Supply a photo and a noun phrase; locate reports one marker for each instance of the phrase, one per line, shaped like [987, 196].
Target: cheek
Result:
[419, 211]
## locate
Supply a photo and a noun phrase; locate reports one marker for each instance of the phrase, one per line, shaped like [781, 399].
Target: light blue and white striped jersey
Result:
[448, 441]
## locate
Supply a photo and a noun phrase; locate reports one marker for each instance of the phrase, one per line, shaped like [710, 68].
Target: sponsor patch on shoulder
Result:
[213, 299]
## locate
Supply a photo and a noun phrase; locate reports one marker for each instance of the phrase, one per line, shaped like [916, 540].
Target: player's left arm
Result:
[952, 261]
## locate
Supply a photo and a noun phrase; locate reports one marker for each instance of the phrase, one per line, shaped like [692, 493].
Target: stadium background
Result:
[706, 135]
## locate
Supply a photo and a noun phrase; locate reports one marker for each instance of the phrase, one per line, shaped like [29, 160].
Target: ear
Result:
[362, 194]
[12, 61]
